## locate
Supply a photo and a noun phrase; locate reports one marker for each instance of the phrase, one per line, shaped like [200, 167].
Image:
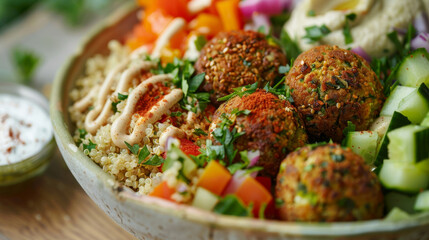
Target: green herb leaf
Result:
[200, 132]
[122, 97]
[348, 38]
[155, 160]
[311, 13]
[133, 149]
[82, 133]
[176, 114]
[195, 82]
[240, 91]
[315, 33]
[237, 112]
[89, 146]
[230, 205]
[284, 69]
[200, 42]
[143, 154]
[25, 62]
[288, 45]
[115, 106]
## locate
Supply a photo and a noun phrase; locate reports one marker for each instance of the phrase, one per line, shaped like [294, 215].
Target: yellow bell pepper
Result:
[229, 14]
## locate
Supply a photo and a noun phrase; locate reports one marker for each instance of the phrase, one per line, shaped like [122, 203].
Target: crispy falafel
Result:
[273, 126]
[238, 58]
[331, 86]
[326, 184]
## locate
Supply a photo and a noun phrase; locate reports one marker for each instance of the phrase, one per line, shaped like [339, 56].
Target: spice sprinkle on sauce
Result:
[25, 128]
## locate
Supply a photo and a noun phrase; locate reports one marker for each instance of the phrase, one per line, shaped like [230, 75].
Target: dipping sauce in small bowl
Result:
[26, 135]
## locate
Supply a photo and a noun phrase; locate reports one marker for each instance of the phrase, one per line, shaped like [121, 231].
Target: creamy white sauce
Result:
[25, 128]
[173, 27]
[119, 130]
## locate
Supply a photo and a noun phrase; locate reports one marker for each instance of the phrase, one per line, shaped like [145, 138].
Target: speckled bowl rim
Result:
[338, 229]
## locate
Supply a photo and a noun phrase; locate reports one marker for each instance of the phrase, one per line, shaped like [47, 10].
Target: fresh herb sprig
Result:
[348, 38]
[114, 105]
[143, 153]
[315, 33]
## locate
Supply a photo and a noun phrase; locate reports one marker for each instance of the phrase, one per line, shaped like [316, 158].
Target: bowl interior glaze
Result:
[152, 218]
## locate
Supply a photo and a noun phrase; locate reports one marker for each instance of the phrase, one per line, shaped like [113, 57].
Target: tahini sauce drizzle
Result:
[25, 128]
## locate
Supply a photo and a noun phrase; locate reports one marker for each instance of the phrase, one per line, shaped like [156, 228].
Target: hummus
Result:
[374, 20]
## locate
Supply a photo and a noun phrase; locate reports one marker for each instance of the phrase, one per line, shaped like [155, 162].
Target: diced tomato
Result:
[251, 191]
[175, 8]
[189, 147]
[163, 191]
[214, 178]
[156, 20]
[178, 41]
[142, 33]
[265, 181]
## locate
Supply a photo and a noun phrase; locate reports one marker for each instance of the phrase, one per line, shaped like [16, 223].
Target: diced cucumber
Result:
[380, 126]
[399, 200]
[403, 176]
[175, 154]
[205, 199]
[415, 106]
[398, 120]
[409, 143]
[414, 69]
[424, 165]
[363, 143]
[422, 201]
[396, 214]
[392, 102]
[425, 121]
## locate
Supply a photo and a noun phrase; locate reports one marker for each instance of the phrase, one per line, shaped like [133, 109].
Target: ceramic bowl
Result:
[153, 218]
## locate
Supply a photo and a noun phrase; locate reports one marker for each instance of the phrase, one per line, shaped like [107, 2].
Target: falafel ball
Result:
[331, 86]
[273, 126]
[326, 184]
[238, 58]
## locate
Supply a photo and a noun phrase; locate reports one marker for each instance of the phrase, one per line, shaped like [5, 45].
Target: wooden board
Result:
[54, 206]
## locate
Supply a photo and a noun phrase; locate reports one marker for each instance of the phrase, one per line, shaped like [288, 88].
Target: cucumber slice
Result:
[409, 143]
[380, 126]
[422, 201]
[424, 165]
[402, 201]
[403, 176]
[363, 143]
[398, 120]
[425, 121]
[205, 199]
[175, 154]
[414, 69]
[415, 106]
[392, 102]
[396, 214]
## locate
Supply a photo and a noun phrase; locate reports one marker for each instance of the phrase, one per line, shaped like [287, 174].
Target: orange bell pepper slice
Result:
[207, 24]
[251, 191]
[163, 191]
[230, 14]
[214, 178]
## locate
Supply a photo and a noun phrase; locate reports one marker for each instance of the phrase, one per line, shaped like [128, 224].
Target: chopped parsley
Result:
[122, 97]
[82, 133]
[200, 132]
[200, 41]
[89, 146]
[176, 114]
[115, 106]
[240, 91]
[337, 157]
[315, 33]
[246, 63]
[231, 205]
[143, 153]
[348, 38]
[288, 45]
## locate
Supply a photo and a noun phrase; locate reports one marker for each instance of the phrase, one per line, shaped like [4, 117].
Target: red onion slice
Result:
[421, 41]
[270, 7]
[421, 22]
[361, 52]
[253, 157]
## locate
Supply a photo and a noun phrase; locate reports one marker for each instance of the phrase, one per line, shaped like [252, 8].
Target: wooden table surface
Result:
[54, 206]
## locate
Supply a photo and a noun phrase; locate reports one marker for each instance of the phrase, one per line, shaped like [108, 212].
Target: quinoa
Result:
[120, 162]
